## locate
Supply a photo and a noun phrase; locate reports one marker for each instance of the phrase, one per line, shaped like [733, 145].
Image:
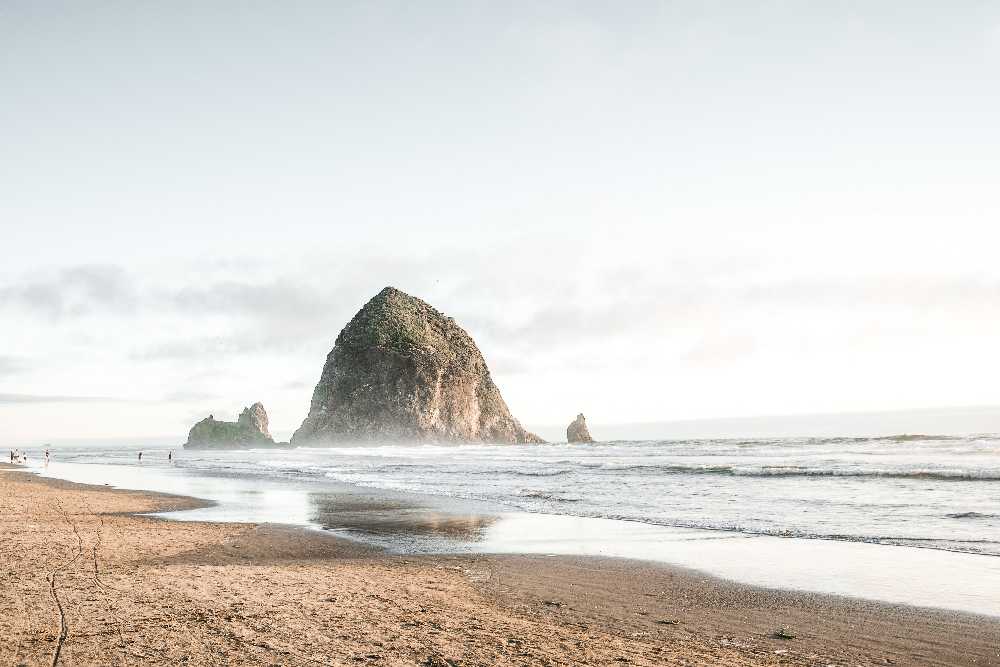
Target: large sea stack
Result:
[402, 371]
[249, 430]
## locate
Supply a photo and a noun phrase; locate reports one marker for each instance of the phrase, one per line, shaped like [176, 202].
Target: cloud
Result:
[299, 384]
[191, 348]
[281, 316]
[74, 292]
[36, 398]
[10, 365]
[721, 349]
[583, 321]
[238, 342]
[654, 307]
[518, 317]
[189, 396]
[278, 300]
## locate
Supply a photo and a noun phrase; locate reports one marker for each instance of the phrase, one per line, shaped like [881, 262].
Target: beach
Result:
[88, 581]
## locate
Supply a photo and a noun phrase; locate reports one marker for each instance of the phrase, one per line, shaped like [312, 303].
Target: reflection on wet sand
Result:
[390, 520]
[382, 517]
[426, 524]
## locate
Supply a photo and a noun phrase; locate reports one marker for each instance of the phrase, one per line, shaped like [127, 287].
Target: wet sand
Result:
[86, 581]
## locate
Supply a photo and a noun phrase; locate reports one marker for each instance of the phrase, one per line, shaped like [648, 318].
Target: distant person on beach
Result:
[140, 457]
[170, 455]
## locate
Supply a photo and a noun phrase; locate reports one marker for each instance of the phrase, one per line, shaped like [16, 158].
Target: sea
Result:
[908, 519]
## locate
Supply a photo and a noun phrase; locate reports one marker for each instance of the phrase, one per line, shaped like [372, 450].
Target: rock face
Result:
[402, 371]
[254, 420]
[249, 430]
[578, 431]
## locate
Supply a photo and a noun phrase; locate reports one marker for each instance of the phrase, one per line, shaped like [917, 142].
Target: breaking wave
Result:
[795, 471]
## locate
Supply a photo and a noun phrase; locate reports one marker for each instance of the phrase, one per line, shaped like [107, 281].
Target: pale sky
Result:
[642, 211]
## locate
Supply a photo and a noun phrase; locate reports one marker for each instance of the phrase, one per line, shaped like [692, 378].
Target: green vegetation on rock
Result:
[402, 370]
[250, 430]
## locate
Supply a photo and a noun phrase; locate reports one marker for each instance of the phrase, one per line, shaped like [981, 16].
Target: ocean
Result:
[925, 501]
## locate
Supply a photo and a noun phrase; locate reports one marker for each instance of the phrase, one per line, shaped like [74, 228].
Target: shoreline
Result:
[411, 522]
[229, 584]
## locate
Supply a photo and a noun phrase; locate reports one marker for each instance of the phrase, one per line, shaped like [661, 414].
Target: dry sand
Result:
[83, 581]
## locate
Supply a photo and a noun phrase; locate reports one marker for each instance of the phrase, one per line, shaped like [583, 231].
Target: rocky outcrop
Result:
[254, 420]
[402, 371]
[578, 431]
[249, 430]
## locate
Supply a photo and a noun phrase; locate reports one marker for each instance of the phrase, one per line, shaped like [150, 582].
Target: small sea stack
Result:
[403, 371]
[577, 431]
[249, 430]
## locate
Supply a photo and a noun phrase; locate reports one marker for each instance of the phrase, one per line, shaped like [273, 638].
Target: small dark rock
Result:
[578, 431]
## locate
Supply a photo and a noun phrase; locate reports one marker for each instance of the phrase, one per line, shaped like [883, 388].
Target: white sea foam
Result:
[938, 492]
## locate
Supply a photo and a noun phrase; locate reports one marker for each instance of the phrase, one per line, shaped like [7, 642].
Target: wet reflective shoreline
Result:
[403, 522]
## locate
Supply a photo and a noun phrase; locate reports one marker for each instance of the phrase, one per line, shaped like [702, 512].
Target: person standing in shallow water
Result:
[140, 457]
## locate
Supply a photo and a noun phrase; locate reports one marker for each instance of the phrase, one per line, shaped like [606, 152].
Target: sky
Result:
[642, 211]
